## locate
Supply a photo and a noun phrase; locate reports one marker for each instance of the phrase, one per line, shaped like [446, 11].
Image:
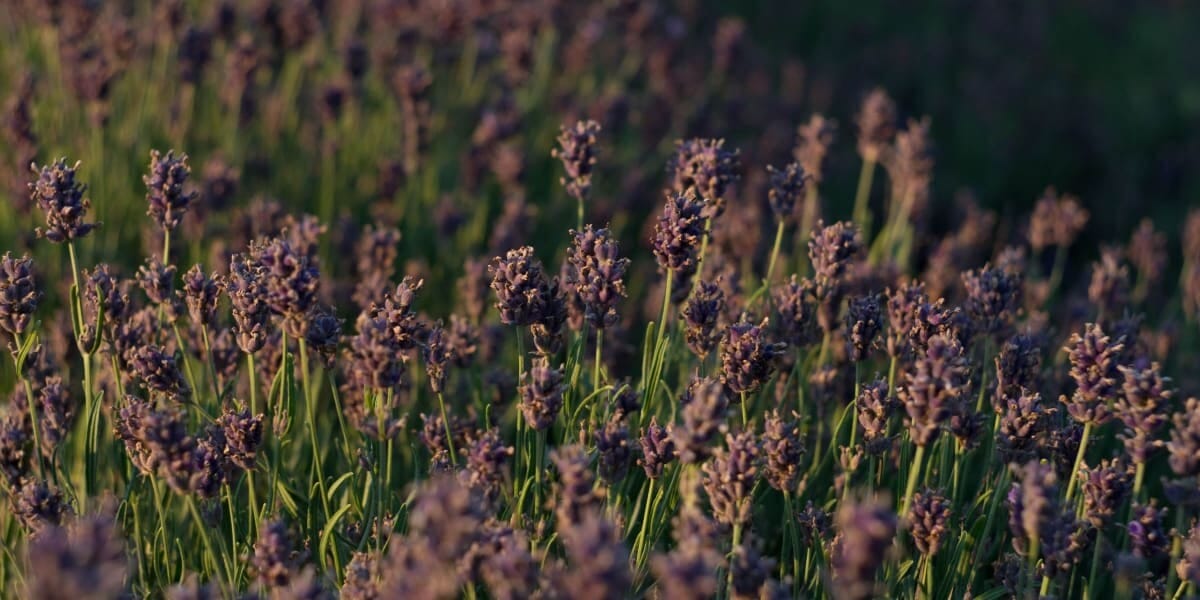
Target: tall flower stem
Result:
[311, 411]
[774, 253]
[862, 215]
[1083, 444]
[449, 436]
[913, 475]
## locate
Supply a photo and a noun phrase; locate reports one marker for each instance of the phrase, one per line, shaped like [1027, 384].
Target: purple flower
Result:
[158, 372]
[813, 140]
[487, 458]
[200, 293]
[438, 354]
[1104, 490]
[247, 290]
[61, 199]
[83, 560]
[993, 299]
[1142, 408]
[165, 188]
[701, 314]
[747, 359]
[291, 282]
[596, 273]
[933, 387]
[658, 449]
[577, 151]
[797, 321]
[865, 532]
[729, 478]
[863, 322]
[678, 233]
[614, 450]
[19, 293]
[703, 407]
[1056, 220]
[520, 284]
[1184, 445]
[275, 561]
[598, 559]
[541, 395]
[576, 493]
[782, 448]
[786, 189]
[706, 166]
[876, 123]
[1109, 287]
[1094, 367]
[927, 519]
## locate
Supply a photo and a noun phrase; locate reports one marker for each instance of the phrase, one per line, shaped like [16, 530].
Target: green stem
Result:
[862, 215]
[1083, 444]
[449, 436]
[913, 474]
[774, 253]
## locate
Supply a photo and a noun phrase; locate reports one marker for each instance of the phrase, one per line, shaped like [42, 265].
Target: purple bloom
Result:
[658, 449]
[927, 519]
[541, 395]
[729, 478]
[520, 284]
[61, 199]
[200, 293]
[706, 166]
[701, 314]
[165, 188]
[782, 448]
[876, 123]
[933, 387]
[596, 273]
[747, 359]
[863, 322]
[865, 532]
[678, 233]
[19, 294]
[83, 560]
[703, 407]
[1094, 367]
[787, 189]
[577, 151]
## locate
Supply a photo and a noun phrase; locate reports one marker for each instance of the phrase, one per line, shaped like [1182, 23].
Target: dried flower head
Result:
[168, 200]
[60, 197]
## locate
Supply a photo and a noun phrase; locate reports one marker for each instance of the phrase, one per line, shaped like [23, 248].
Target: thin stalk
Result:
[774, 253]
[449, 436]
[862, 215]
[1083, 444]
[913, 474]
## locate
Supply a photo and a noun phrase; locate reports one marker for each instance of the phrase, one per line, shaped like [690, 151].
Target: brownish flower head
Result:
[1056, 220]
[876, 122]
[813, 140]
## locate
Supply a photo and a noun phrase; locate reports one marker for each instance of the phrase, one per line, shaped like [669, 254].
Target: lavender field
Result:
[428, 299]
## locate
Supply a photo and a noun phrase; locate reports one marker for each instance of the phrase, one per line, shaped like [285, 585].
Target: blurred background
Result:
[440, 115]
